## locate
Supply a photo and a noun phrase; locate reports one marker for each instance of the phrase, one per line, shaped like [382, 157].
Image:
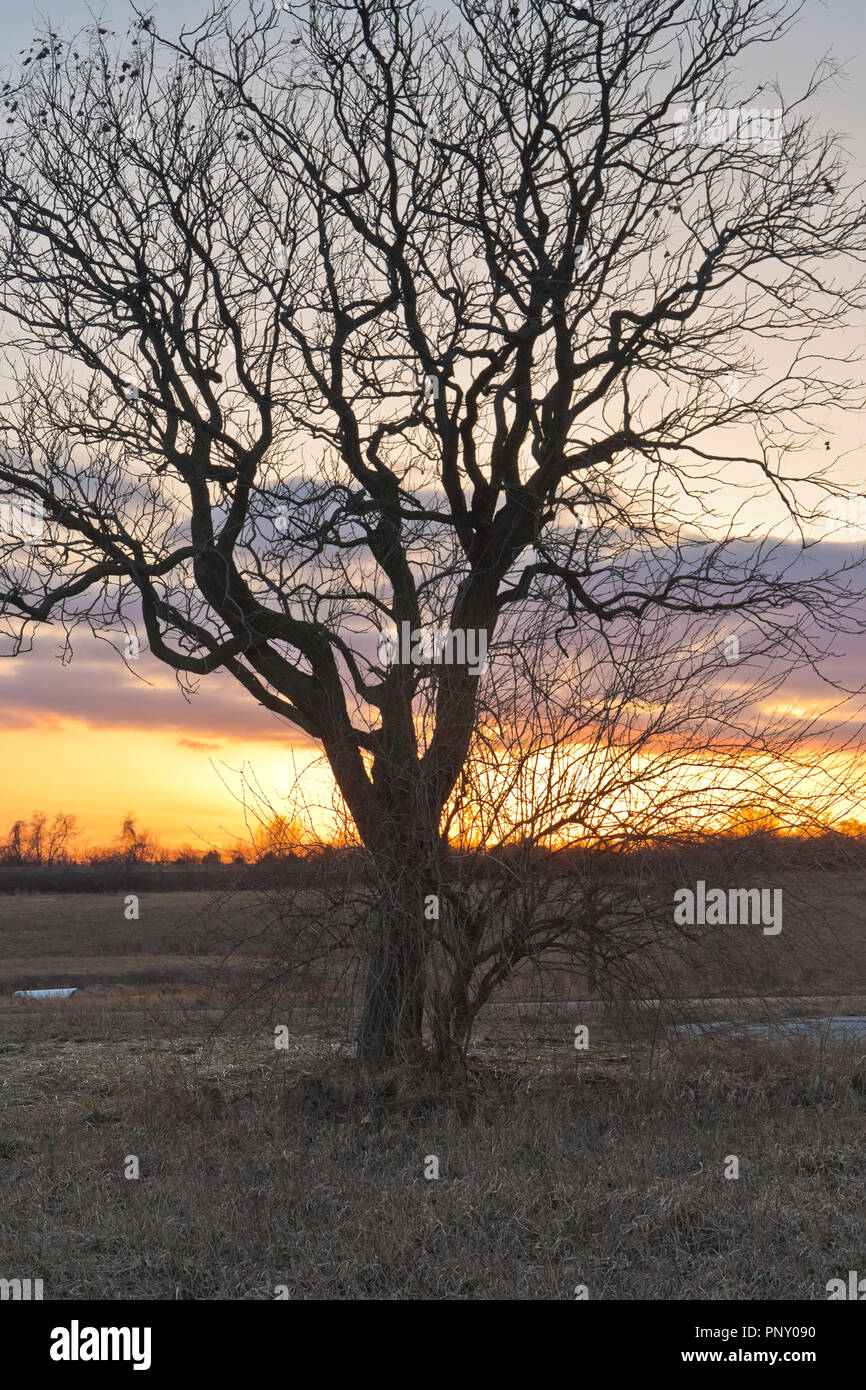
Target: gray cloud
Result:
[37, 690]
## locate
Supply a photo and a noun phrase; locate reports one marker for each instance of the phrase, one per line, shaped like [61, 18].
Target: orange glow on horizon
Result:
[170, 781]
[180, 788]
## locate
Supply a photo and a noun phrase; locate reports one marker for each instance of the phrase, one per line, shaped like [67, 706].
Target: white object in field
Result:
[44, 993]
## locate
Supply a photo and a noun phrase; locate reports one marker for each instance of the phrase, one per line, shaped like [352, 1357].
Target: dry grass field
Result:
[263, 1170]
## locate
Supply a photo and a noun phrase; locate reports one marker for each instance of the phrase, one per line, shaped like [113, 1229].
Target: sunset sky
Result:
[92, 739]
[88, 737]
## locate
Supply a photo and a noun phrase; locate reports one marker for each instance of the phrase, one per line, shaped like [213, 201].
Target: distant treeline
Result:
[109, 876]
[46, 845]
[740, 857]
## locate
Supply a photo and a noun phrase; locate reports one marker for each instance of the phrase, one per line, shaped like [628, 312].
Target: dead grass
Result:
[262, 1169]
[258, 1173]
[48, 926]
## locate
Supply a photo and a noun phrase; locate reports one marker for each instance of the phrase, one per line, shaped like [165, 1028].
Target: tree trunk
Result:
[395, 985]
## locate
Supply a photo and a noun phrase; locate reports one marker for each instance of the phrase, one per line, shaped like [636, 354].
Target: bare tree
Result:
[61, 833]
[13, 850]
[137, 846]
[324, 327]
[38, 842]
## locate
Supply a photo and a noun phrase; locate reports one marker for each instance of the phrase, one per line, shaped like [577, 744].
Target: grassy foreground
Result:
[266, 1173]
[255, 1180]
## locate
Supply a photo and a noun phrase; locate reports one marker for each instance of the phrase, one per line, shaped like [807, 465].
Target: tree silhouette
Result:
[39, 841]
[356, 319]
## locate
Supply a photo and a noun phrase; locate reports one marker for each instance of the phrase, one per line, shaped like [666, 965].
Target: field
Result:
[267, 1173]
